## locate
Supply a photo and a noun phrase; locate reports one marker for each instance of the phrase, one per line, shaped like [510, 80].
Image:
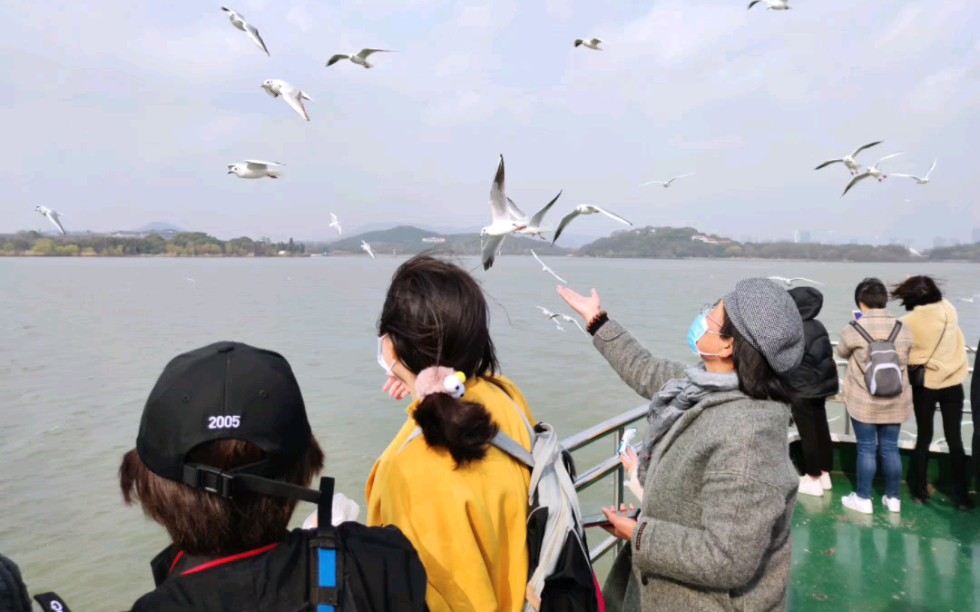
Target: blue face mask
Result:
[697, 331]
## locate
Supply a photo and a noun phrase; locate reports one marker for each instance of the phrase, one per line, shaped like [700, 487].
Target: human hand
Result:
[586, 307]
[620, 525]
[396, 389]
[629, 459]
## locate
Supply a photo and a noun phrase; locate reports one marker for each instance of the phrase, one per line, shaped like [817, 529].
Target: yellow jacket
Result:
[948, 366]
[469, 525]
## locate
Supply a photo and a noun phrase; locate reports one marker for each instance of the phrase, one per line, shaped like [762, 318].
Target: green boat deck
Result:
[924, 558]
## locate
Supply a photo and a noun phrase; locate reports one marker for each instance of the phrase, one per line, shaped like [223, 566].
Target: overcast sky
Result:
[120, 113]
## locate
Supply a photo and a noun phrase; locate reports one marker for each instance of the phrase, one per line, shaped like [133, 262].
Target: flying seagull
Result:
[552, 316]
[923, 180]
[294, 97]
[254, 169]
[871, 171]
[773, 5]
[53, 216]
[239, 22]
[590, 44]
[555, 316]
[585, 209]
[359, 58]
[545, 268]
[534, 227]
[367, 249]
[335, 223]
[848, 160]
[970, 299]
[505, 218]
[789, 281]
[667, 183]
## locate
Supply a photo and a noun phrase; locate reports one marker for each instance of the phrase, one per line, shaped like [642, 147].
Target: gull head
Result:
[234, 168]
[483, 231]
[38, 209]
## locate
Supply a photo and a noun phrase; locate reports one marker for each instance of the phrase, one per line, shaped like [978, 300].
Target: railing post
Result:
[618, 481]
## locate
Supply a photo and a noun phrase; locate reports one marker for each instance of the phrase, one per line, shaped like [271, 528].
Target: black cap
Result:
[225, 390]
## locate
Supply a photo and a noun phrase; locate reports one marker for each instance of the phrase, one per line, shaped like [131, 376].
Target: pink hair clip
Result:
[439, 379]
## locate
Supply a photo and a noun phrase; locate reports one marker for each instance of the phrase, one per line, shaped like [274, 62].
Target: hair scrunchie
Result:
[439, 379]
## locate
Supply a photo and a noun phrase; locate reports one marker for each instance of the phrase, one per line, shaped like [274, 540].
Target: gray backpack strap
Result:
[898, 328]
[513, 448]
[863, 332]
[415, 434]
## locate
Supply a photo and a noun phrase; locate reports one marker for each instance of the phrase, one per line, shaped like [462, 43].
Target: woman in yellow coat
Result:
[461, 502]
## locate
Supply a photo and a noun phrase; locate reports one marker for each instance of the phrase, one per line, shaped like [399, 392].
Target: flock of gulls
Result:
[506, 218]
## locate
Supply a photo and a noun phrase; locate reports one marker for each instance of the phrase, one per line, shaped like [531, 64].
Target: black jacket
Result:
[817, 375]
[381, 571]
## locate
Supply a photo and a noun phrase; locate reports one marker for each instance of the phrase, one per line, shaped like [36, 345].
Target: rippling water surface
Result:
[84, 339]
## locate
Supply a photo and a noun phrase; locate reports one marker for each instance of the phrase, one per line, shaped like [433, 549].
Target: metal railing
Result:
[615, 427]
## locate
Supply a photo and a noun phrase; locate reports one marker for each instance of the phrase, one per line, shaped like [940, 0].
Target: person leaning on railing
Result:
[719, 487]
[940, 349]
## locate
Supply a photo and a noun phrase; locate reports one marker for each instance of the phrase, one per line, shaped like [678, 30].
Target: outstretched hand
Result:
[586, 307]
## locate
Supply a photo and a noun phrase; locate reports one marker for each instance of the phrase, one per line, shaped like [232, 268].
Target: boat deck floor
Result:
[924, 558]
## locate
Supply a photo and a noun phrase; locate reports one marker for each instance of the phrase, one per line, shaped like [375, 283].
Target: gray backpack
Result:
[883, 372]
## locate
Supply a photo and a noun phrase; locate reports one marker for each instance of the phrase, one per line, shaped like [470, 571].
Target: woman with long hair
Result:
[939, 348]
[462, 502]
[718, 485]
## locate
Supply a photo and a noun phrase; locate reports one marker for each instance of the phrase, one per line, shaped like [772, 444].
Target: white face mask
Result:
[381, 356]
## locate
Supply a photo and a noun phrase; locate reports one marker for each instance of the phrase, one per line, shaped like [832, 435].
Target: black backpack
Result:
[362, 569]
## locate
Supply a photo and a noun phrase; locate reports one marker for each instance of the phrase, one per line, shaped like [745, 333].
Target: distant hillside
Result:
[159, 226]
[408, 240]
[678, 243]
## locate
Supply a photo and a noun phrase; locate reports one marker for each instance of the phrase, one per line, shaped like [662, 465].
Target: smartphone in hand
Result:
[600, 520]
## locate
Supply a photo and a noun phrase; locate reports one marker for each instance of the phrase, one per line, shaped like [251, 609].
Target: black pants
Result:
[810, 416]
[975, 449]
[950, 402]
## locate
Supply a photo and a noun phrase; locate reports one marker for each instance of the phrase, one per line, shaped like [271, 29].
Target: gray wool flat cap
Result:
[766, 315]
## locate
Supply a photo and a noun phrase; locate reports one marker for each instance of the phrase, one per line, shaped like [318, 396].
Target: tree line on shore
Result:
[648, 242]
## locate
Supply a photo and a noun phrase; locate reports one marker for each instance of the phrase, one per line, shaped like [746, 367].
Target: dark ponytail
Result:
[436, 314]
[463, 428]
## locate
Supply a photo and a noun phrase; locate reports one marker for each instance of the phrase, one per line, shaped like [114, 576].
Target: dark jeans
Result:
[950, 402]
[810, 416]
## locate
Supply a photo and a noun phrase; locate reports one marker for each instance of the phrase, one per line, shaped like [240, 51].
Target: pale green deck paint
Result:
[925, 558]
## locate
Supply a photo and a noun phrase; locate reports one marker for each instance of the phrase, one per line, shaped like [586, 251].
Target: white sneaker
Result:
[825, 481]
[893, 504]
[858, 504]
[810, 486]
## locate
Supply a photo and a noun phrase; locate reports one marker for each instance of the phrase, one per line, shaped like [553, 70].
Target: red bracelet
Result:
[596, 322]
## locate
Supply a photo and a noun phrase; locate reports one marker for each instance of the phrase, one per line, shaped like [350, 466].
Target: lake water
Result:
[84, 340]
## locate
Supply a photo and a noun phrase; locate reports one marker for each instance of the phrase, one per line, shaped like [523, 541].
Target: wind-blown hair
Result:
[435, 314]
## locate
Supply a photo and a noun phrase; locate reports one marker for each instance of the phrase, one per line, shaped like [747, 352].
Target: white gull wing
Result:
[539, 216]
[931, 168]
[887, 157]
[490, 249]
[258, 164]
[499, 207]
[572, 320]
[803, 280]
[867, 146]
[367, 249]
[365, 53]
[564, 222]
[336, 58]
[546, 268]
[827, 163]
[855, 181]
[295, 99]
[611, 215]
[256, 38]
